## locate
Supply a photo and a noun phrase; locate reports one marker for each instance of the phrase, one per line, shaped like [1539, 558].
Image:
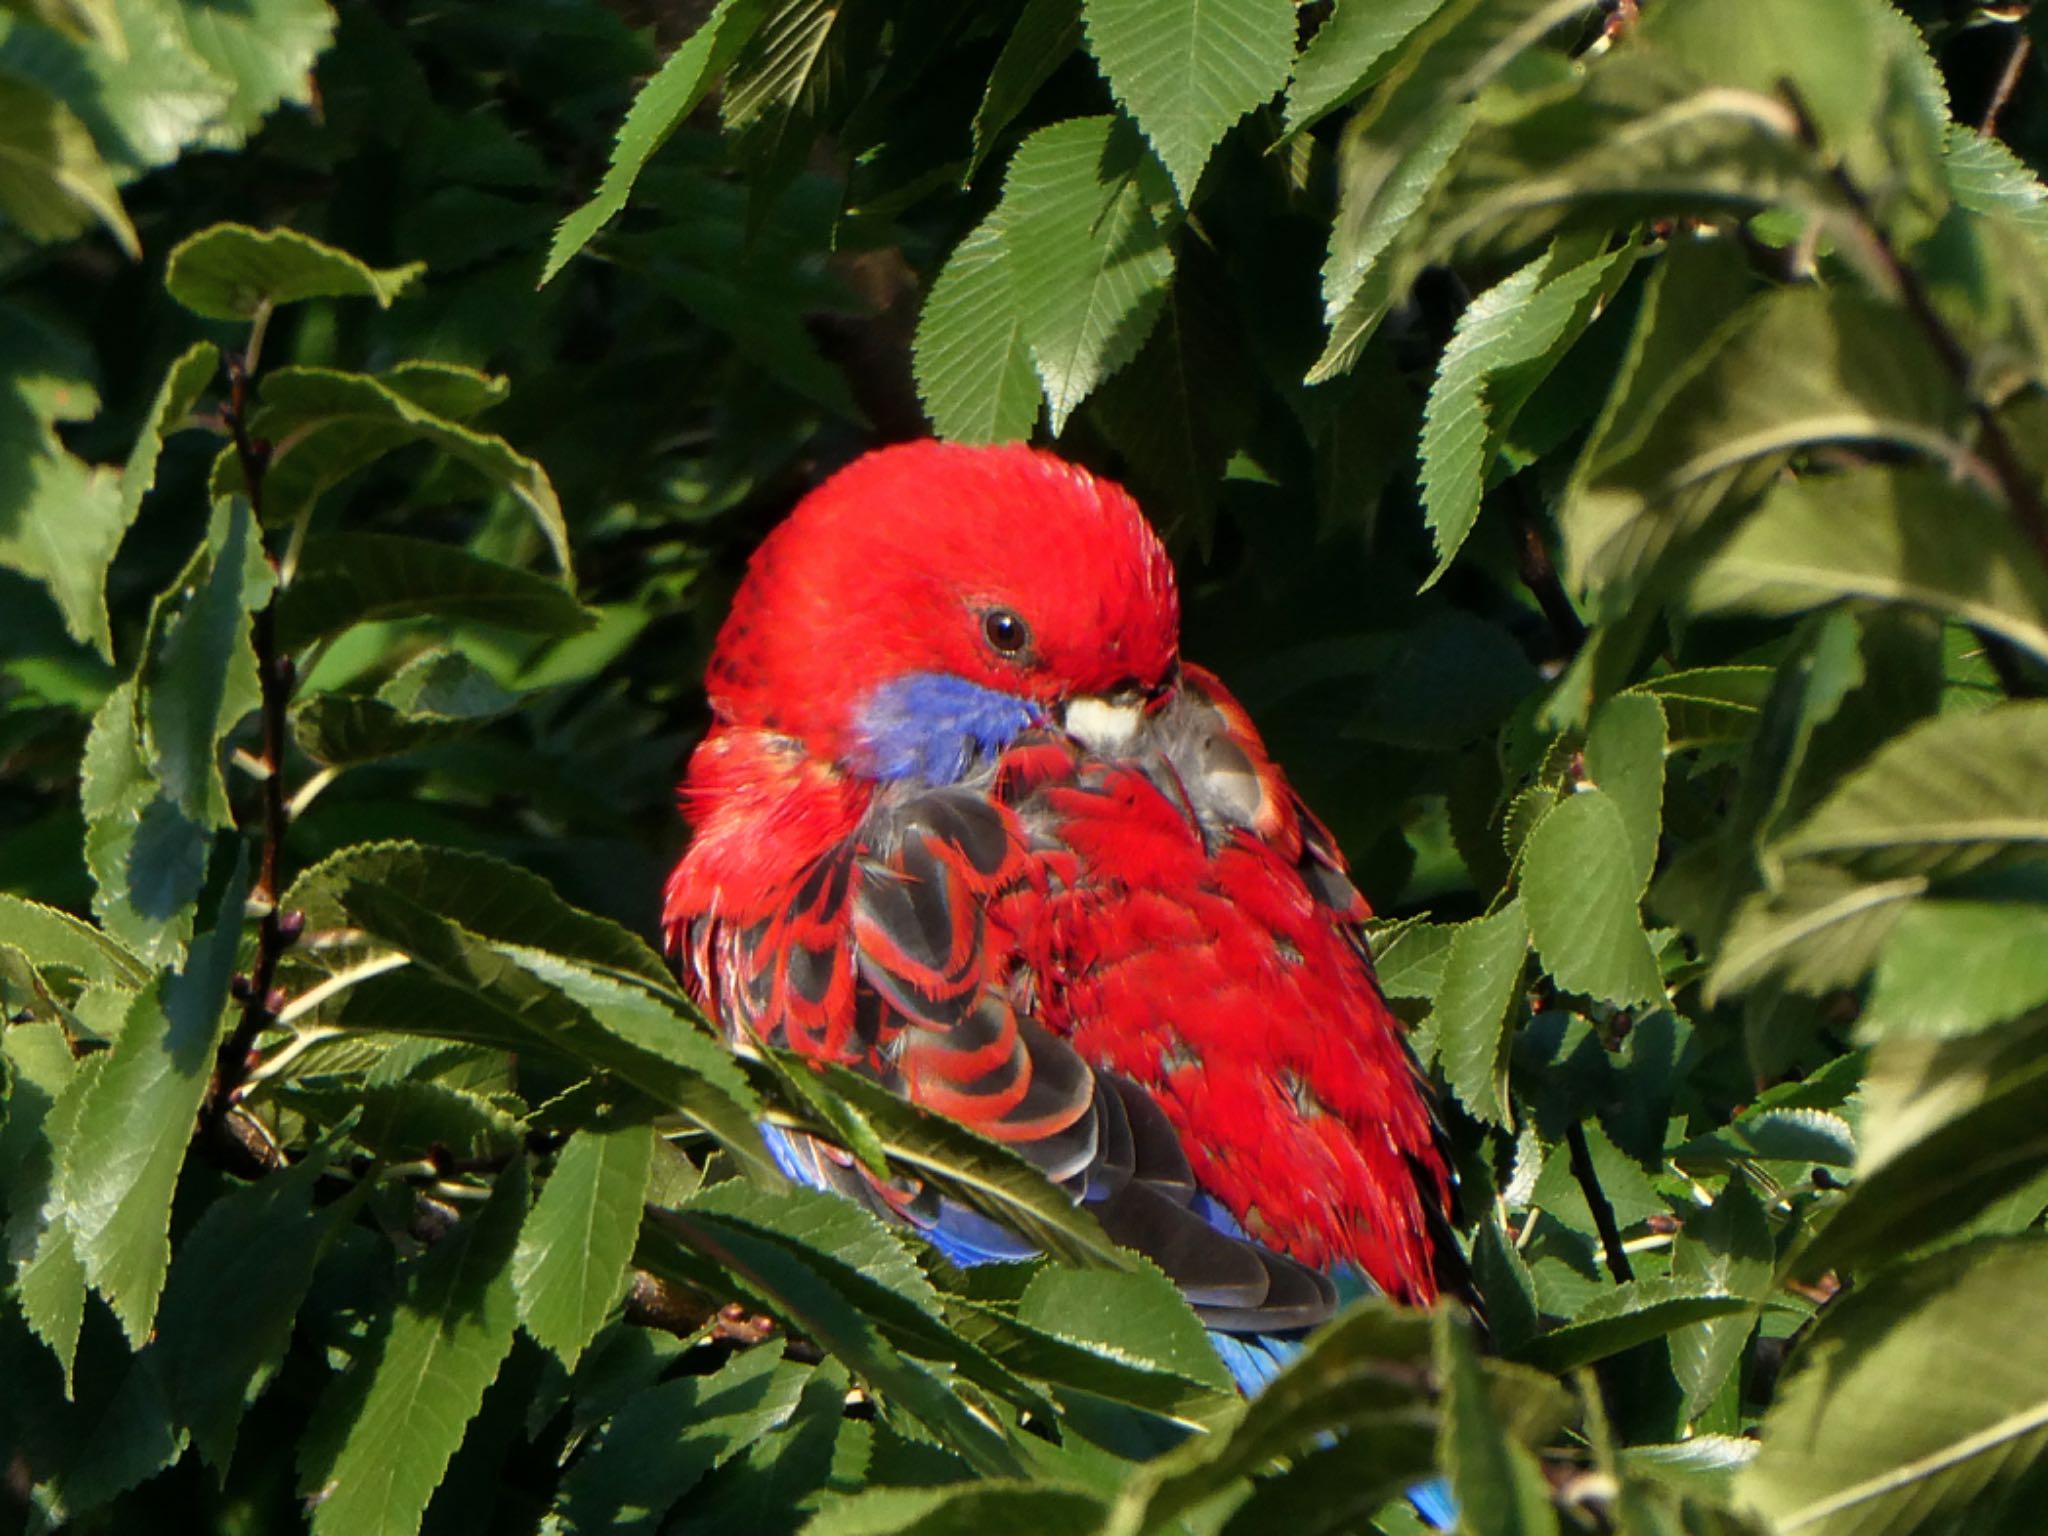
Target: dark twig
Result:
[1596, 1202]
[275, 930]
[2008, 79]
[1538, 572]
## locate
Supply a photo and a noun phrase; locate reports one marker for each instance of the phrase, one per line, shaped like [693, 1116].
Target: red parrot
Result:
[966, 822]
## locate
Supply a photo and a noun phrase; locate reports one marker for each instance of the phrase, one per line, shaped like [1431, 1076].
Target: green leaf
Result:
[1708, 705]
[868, 1264]
[197, 678]
[1046, 33]
[823, 1227]
[1069, 1368]
[984, 1174]
[49, 1090]
[486, 896]
[793, 1290]
[1725, 1248]
[499, 960]
[972, 362]
[1917, 1402]
[364, 578]
[265, 50]
[1348, 54]
[1579, 886]
[1912, 1191]
[147, 860]
[662, 104]
[1409, 957]
[1338, 1489]
[665, 1440]
[382, 1437]
[53, 183]
[1504, 344]
[1187, 70]
[1795, 368]
[789, 80]
[1362, 1371]
[990, 1507]
[1628, 1315]
[1497, 1484]
[231, 272]
[571, 1265]
[1986, 177]
[333, 423]
[1953, 967]
[1821, 929]
[1085, 219]
[1368, 235]
[1475, 1008]
[175, 398]
[845, 1126]
[1896, 535]
[1874, 96]
[121, 1166]
[61, 519]
[236, 1284]
[438, 696]
[1137, 1316]
[1952, 794]
[49, 936]
[1625, 758]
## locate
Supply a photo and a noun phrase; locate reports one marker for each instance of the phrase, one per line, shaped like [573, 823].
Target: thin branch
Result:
[2008, 79]
[276, 931]
[1538, 572]
[1596, 1201]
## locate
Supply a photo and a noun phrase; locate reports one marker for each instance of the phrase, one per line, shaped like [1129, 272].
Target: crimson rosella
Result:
[966, 822]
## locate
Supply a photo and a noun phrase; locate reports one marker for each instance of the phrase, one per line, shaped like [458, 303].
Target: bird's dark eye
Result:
[1005, 631]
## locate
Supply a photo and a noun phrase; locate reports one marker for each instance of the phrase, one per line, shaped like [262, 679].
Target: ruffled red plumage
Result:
[1002, 949]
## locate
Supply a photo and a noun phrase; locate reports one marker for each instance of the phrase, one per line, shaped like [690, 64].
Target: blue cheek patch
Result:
[932, 726]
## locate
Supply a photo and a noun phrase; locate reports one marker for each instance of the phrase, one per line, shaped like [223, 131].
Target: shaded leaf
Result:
[236, 1284]
[663, 1442]
[230, 272]
[1919, 1397]
[973, 364]
[1085, 220]
[1498, 1485]
[53, 183]
[1186, 70]
[571, 1264]
[1579, 887]
[332, 423]
[1045, 35]
[1348, 54]
[1474, 1011]
[382, 1437]
[364, 577]
[675, 90]
[1951, 967]
[1504, 344]
[1627, 1315]
[1898, 535]
[1625, 758]
[1952, 794]
[121, 1166]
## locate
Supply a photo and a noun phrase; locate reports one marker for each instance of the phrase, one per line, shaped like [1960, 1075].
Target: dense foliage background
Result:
[1604, 447]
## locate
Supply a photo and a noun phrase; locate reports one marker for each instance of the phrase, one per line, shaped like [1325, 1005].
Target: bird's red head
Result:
[934, 596]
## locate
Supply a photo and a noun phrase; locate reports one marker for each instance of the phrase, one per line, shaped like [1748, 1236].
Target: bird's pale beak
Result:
[1104, 726]
[1107, 723]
